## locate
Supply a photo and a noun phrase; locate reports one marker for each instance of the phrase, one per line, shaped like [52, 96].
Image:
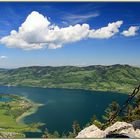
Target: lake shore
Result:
[128, 91]
[30, 111]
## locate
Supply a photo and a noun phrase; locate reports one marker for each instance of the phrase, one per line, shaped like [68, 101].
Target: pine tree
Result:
[136, 110]
[46, 134]
[110, 111]
[137, 100]
[76, 128]
[128, 114]
[56, 134]
[96, 122]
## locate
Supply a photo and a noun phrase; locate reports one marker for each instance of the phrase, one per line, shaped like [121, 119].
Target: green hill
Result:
[120, 78]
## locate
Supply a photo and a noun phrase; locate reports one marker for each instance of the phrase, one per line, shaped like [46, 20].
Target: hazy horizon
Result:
[66, 65]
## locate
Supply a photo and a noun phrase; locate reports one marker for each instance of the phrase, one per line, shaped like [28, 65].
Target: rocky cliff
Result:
[117, 130]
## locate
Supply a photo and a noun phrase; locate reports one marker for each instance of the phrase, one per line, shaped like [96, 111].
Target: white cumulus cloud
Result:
[106, 32]
[36, 32]
[3, 57]
[132, 31]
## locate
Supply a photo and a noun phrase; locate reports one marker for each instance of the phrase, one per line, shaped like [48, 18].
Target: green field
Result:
[10, 111]
[117, 78]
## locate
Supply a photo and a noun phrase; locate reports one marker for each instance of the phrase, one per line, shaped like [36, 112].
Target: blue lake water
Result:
[63, 106]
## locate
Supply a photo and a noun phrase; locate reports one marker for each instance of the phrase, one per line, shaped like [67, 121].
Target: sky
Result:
[69, 33]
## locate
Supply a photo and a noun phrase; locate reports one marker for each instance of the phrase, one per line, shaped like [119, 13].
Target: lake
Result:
[63, 106]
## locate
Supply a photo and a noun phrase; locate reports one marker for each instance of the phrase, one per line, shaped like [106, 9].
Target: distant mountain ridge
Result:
[118, 78]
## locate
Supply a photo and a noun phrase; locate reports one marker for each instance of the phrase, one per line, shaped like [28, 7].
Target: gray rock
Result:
[122, 128]
[91, 132]
[118, 129]
[136, 124]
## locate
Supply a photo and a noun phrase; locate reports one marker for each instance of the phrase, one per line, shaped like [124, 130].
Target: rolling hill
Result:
[118, 78]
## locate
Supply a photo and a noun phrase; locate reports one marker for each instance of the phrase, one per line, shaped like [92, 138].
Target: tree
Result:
[128, 114]
[110, 111]
[46, 134]
[95, 121]
[71, 135]
[56, 134]
[64, 135]
[76, 128]
[136, 114]
[137, 100]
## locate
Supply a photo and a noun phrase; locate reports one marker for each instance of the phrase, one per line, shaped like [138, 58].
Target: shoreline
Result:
[86, 89]
[30, 111]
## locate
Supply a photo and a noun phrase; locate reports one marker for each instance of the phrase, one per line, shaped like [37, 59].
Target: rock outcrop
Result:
[91, 132]
[122, 128]
[118, 129]
[136, 124]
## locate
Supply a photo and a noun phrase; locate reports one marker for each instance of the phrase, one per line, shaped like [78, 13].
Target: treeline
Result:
[130, 113]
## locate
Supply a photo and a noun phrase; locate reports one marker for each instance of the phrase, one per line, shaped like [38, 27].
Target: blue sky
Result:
[123, 46]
